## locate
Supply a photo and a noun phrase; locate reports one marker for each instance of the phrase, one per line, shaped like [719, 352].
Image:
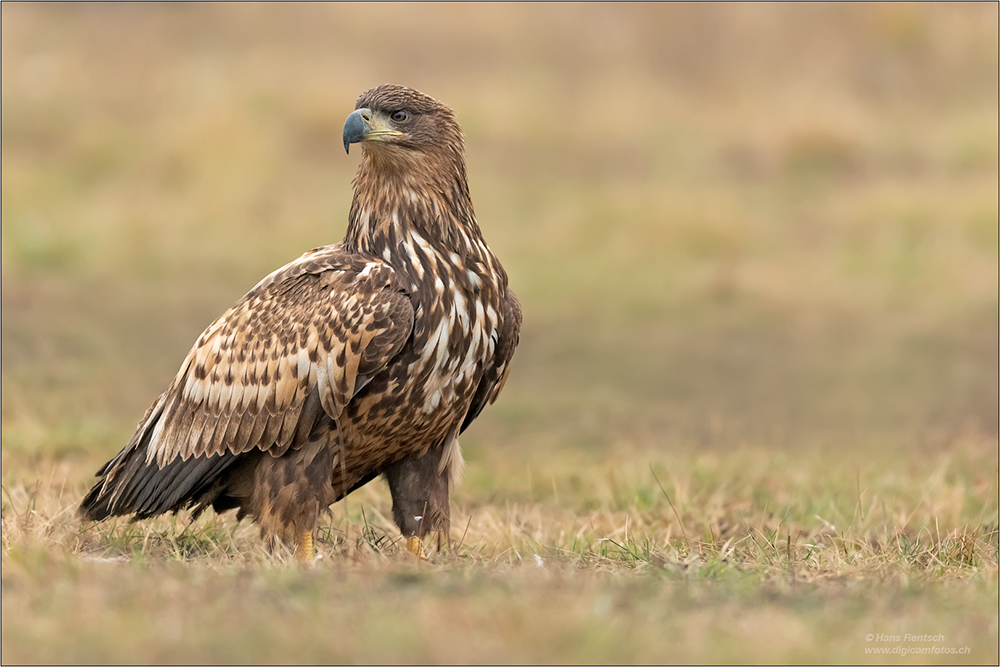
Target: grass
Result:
[706, 559]
[753, 415]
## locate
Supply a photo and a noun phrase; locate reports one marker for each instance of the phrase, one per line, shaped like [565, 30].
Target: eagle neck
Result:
[402, 216]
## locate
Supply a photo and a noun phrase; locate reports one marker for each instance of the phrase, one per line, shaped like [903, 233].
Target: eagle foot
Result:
[416, 547]
[304, 551]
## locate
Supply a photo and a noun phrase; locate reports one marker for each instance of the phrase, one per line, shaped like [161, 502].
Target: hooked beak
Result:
[366, 125]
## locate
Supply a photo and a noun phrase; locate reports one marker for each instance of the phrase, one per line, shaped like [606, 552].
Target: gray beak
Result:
[356, 128]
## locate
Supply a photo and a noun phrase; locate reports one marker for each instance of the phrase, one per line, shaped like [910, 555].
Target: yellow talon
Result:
[304, 551]
[415, 547]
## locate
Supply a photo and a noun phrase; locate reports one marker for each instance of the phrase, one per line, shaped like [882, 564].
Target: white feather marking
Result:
[422, 242]
[451, 459]
[417, 266]
[249, 395]
[262, 392]
[461, 311]
[479, 315]
[303, 369]
[325, 388]
[216, 346]
[236, 400]
[198, 393]
[363, 221]
[214, 390]
[473, 278]
[432, 401]
[415, 248]
[154, 443]
[438, 340]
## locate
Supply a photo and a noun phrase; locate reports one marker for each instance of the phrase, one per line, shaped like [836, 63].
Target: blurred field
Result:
[753, 415]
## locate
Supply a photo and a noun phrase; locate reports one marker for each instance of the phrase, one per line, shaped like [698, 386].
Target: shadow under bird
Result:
[364, 358]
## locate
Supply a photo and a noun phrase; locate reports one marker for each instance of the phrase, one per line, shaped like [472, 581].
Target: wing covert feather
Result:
[325, 323]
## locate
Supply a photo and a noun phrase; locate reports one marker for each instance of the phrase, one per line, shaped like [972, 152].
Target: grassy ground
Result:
[753, 416]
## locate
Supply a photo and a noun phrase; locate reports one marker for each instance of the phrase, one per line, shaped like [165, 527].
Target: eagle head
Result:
[391, 121]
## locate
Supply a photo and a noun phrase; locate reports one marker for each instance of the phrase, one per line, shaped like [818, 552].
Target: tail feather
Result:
[131, 485]
[192, 488]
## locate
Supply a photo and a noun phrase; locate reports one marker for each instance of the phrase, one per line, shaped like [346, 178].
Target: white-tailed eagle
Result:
[364, 358]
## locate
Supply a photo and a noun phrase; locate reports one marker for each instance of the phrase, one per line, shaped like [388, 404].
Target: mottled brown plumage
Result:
[364, 358]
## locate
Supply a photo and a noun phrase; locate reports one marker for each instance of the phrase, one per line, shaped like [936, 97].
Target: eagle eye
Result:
[399, 115]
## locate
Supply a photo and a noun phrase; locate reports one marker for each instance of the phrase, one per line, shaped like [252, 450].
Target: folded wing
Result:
[323, 326]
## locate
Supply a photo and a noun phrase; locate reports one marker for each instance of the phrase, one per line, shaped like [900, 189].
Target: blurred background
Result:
[768, 226]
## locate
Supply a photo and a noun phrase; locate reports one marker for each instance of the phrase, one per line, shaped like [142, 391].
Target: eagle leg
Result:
[288, 494]
[419, 491]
